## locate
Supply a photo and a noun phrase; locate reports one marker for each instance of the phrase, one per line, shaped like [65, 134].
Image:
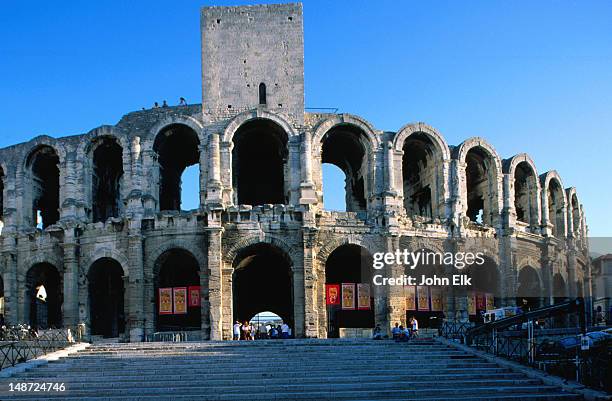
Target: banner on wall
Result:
[165, 301]
[410, 292]
[363, 296]
[481, 302]
[490, 301]
[180, 300]
[194, 296]
[471, 300]
[348, 296]
[332, 294]
[423, 297]
[437, 299]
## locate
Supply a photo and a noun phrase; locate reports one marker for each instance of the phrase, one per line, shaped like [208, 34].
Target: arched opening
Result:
[262, 281]
[528, 291]
[262, 94]
[426, 302]
[106, 298]
[177, 147]
[525, 194]
[44, 296]
[481, 186]
[177, 274]
[259, 161]
[107, 174]
[555, 207]
[419, 172]
[263, 322]
[345, 146]
[559, 289]
[333, 177]
[349, 265]
[42, 166]
[576, 216]
[484, 292]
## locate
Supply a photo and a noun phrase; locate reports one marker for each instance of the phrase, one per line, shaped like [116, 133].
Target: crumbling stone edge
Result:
[42, 360]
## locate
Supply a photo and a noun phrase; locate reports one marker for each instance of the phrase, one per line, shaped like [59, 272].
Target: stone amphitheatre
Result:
[96, 218]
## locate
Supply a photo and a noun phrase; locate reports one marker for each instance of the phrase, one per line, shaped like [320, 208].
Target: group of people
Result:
[399, 332]
[182, 102]
[246, 331]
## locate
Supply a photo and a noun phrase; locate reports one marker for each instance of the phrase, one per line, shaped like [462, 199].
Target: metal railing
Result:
[20, 343]
[455, 330]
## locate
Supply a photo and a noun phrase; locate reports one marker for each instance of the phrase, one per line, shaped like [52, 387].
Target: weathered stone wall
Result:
[302, 228]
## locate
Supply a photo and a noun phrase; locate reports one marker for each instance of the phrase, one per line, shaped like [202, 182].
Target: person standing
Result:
[284, 330]
[245, 331]
[415, 327]
[237, 330]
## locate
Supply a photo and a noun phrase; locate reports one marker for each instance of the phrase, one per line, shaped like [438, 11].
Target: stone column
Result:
[71, 278]
[10, 286]
[214, 188]
[396, 300]
[138, 324]
[311, 316]
[307, 188]
[215, 293]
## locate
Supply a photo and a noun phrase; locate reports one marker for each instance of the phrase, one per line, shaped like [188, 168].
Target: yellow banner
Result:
[410, 292]
[180, 300]
[348, 296]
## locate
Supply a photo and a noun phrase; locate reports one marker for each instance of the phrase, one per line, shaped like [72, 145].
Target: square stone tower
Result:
[253, 56]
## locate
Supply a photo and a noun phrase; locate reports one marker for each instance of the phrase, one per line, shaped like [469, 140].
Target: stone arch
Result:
[574, 213]
[166, 246]
[176, 143]
[188, 121]
[45, 311]
[554, 203]
[327, 124]
[524, 188]
[2, 188]
[88, 142]
[230, 254]
[433, 134]
[331, 244]
[529, 286]
[42, 183]
[106, 295]
[108, 253]
[483, 164]
[425, 154]
[257, 114]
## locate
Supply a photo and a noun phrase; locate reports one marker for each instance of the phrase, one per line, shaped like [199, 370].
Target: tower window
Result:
[262, 93]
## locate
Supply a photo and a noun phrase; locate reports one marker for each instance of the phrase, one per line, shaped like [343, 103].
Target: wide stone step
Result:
[332, 393]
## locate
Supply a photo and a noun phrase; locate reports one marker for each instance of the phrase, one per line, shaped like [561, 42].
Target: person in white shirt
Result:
[285, 330]
[415, 327]
[237, 330]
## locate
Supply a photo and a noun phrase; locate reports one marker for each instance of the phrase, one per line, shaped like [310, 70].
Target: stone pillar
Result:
[71, 278]
[311, 316]
[214, 188]
[307, 189]
[571, 274]
[11, 315]
[396, 299]
[138, 324]
[215, 292]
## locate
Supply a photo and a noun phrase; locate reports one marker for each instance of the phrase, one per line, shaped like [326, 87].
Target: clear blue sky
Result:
[531, 77]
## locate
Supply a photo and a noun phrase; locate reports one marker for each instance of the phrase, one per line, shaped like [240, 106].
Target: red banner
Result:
[180, 300]
[332, 294]
[481, 302]
[363, 296]
[348, 296]
[165, 301]
[194, 296]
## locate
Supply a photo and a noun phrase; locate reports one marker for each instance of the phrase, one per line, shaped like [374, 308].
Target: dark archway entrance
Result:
[42, 166]
[107, 173]
[349, 264]
[480, 186]
[106, 298]
[44, 295]
[528, 291]
[177, 269]
[177, 147]
[263, 281]
[345, 146]
[426, 303]
[259, 160]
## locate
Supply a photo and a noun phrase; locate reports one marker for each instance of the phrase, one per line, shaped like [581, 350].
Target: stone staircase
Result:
[280, 369]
